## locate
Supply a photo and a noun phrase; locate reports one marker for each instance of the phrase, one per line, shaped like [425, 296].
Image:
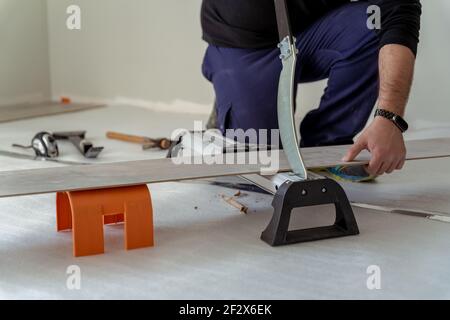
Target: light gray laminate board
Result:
[421, 187]
[34, 110]
[73, 178]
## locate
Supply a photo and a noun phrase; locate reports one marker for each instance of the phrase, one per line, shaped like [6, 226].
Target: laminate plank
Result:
[27, 111]
[73, 178]
[421, 187]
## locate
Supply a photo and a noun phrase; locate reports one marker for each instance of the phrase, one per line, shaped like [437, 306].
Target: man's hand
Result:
[385, 142]
[382, 138]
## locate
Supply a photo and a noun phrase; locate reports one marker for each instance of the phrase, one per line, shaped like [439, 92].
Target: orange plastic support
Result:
[85, 212]
[66, 100]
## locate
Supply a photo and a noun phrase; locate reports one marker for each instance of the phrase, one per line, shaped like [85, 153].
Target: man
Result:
[363, 65]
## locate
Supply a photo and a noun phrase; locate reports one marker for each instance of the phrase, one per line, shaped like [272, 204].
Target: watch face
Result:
[401, 123]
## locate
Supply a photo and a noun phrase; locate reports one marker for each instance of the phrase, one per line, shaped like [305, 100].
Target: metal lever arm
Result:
[283, 21]
[286, 90]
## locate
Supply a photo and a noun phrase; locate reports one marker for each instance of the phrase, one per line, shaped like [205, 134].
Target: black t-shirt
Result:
[252, 23]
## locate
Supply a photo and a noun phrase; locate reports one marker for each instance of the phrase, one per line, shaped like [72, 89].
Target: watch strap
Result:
[395, 118]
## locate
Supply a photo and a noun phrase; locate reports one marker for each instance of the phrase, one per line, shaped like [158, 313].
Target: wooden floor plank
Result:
[28, 111]
[71, 178]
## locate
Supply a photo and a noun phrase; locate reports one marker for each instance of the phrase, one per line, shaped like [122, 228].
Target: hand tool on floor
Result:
[242, 186]
[146, 142]
[78, 138]
[44, 145]
[210, 142]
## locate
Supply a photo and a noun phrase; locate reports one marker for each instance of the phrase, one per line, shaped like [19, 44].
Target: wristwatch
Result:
[395, 118]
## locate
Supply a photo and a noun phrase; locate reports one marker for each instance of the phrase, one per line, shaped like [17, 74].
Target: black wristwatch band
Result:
[395, 118]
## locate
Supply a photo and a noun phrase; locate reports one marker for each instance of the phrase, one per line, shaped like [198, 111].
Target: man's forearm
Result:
[396, 75]
[382, 138]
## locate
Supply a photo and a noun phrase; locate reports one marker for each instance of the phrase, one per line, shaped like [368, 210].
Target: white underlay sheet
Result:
[205, 248]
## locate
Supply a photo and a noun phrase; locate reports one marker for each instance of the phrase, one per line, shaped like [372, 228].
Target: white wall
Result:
[430, 98]
[152, 50]
[24, 64]
[139, 49]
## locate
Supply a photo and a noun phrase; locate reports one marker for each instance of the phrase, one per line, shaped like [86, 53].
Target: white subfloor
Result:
[206, 249]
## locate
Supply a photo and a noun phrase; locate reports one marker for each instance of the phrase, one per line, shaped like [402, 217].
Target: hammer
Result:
[147, 143]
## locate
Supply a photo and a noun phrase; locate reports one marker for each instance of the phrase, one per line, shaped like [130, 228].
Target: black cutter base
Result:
[298, 194]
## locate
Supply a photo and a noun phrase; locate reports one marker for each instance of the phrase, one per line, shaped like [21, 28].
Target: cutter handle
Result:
[283, 20]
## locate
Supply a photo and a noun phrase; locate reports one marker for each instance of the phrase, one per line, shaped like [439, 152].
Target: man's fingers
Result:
[392, 167]
[401, 164]
[397, 165]
[375, 164]
[354, 151]
[383, 168]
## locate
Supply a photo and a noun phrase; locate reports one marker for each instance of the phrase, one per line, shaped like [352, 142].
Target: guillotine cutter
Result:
[301, 188]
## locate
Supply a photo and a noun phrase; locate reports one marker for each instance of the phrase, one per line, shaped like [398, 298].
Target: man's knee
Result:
[246, 85]
[351, 20]
[244, 101]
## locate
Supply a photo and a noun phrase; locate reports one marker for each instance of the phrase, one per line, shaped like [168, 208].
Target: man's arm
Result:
[399, 36]
[396, 68]
[382, 138]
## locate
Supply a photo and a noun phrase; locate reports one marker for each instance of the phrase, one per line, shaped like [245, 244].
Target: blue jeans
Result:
[338, 47]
